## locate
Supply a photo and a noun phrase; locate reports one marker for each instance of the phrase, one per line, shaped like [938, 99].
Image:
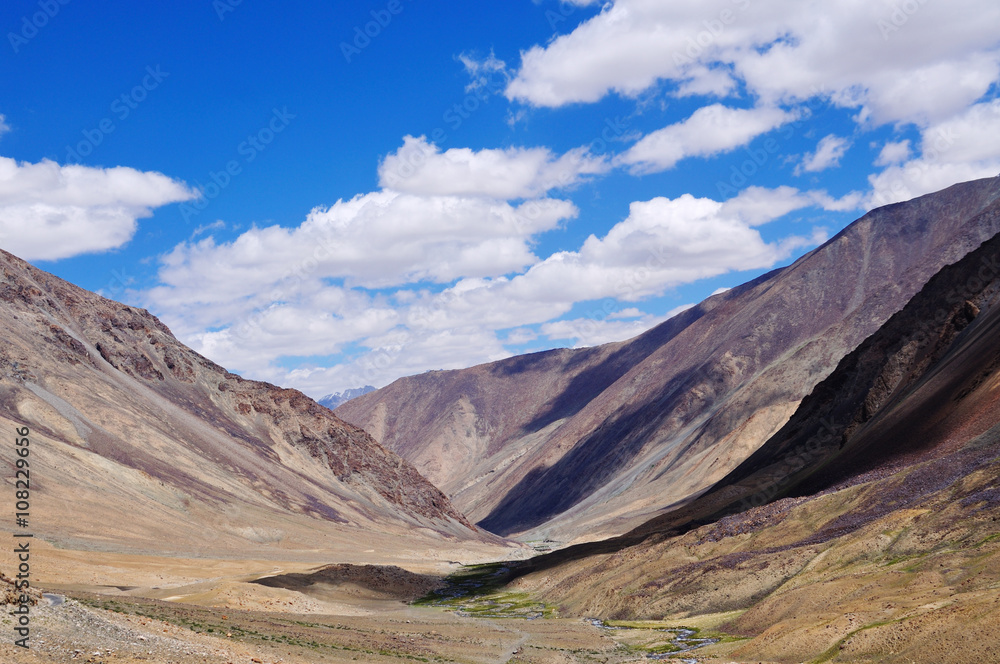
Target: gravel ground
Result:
[71, 632]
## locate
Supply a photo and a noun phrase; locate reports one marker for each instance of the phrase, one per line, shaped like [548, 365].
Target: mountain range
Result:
[335, 399]
[583, 444]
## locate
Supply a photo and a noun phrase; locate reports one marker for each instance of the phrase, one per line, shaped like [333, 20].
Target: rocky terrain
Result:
[865, 530]
[139, 444]
[589, 443]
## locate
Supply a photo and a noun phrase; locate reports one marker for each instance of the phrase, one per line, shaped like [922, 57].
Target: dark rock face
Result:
[108, 379]
[592, 442]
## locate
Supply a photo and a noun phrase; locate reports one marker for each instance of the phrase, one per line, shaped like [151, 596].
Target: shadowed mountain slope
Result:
[583, 444]
[139, 443]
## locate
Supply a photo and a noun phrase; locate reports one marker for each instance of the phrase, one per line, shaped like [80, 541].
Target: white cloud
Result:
[489, 74]
[943, 57]
[48, 211]
[827, 155]
[758, 205]
[706, 81]
[376, 240]
[4, 127]
[965, 147]
[630, 312]
[595, 331]
[208, 228]
[663, 242]
[709, 131]
[893, 153]
[314, 321]
[398, 353]
[356, 278]
[520, 335]
[419, 167]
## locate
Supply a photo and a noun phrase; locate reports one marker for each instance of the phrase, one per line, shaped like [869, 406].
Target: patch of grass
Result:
[834, 650]
[649, 624]
[244, 633]
[991, 538]
[477, 590]
[681, 638]
[916, 557]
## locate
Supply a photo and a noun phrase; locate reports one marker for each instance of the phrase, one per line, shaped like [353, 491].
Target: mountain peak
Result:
[336, 399]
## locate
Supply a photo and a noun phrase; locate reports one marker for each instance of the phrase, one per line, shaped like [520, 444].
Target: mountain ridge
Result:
[709, 387]
[133, 420]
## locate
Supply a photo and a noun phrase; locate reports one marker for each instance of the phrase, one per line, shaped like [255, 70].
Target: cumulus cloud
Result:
[419, 167]
[377, 240]
[4, 127]
[359, 278]
[893, 153]
[48, 211]
[709, 131]
[398, 353]
[759, 205]
[942, 57]
[662, 243]
[827, 155]
[964, 147]
[595, 331]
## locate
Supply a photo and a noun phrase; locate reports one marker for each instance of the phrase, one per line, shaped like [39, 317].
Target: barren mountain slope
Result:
[139, 443]
[887, 546]
[589, 443]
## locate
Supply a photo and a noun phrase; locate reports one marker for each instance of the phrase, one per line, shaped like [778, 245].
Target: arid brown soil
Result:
[122, 627]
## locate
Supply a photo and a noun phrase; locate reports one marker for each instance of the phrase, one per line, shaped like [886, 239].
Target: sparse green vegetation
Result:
[477, 590]
[672, 638]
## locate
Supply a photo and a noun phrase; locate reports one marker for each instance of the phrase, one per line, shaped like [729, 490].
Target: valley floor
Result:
[128, 630]
[207, 611]
[222, 618]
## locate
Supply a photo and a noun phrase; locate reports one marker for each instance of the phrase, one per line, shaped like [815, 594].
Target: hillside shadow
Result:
[589, 383]
[546, 492]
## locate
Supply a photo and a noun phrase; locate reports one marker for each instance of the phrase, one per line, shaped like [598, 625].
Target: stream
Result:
[684, 639]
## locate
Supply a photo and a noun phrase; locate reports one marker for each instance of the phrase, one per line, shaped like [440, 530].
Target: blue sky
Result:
[330, 196]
